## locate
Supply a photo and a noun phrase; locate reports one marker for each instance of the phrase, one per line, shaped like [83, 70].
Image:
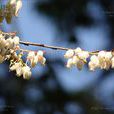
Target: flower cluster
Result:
[36, 57]
[23, 69]
[17, 4]
[10, 50]
[10, 10]
[76, 57]
[7, 46]
[103, 60]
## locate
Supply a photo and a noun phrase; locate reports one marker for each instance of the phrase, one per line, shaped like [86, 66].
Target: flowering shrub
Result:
[10, 50]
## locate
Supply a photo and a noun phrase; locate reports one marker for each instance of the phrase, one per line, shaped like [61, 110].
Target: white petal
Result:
[40, 53]
[18, 7]
[69, 53]
[16, 40]
[112, 60]
[77, 50]
[13, 2]
[69, 63]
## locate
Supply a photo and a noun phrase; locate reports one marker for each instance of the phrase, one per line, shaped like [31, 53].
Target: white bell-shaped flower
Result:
[94, 62]
[69, 53]
[26, 72]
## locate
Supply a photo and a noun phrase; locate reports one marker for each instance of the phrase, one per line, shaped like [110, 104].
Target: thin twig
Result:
[52, 47]
[42, 45]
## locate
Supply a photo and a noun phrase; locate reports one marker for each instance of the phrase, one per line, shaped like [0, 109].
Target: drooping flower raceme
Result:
[7, 45]
[76, 57]
[10, 50]
[36, 57]
[104, 59]
[17, 66]
[21, 70]
[17, 4]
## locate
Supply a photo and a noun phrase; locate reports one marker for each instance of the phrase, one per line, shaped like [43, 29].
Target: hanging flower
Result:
[35, 58]
[76, 57]
[104, 59]
[112, 61]
[94, 63]
[69, 53]
[17, 66]
[26, 72]
[69, 63]
[13, 2]
[18, 7]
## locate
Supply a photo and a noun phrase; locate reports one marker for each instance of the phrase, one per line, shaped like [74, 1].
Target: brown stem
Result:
[52, 47]
[42, 45]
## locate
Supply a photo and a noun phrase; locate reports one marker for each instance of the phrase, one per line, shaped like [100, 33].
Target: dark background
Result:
[54, 89]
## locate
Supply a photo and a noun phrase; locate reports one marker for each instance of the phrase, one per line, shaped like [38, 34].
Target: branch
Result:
[11, 50]
[52, 47]
[43, 45]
